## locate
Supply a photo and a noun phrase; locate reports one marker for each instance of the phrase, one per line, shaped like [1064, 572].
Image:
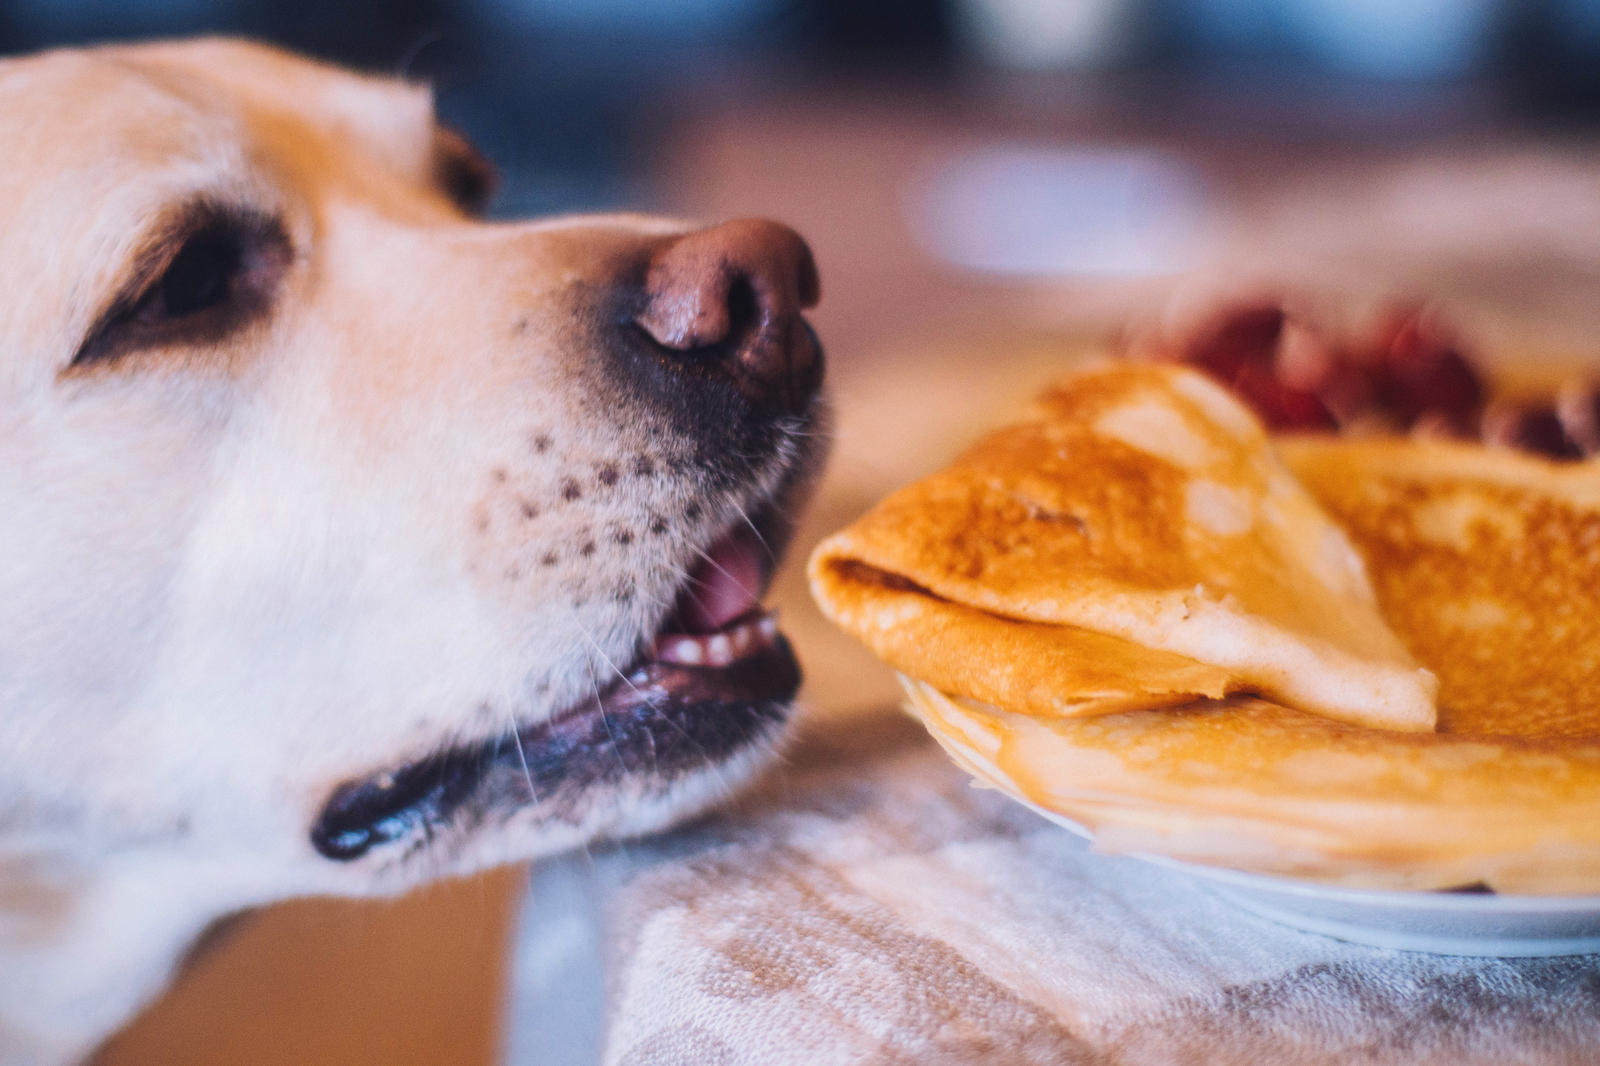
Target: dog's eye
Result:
[201, 275]
[464, 174]
[222, 276]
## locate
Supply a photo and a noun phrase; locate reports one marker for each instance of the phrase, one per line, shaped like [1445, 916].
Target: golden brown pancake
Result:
[1250, 785]
[1023, 590]
[1034, 668]
[1487, 564]
[1135, 542]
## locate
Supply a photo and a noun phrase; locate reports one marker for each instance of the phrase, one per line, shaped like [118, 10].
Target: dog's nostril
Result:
[744, 308]
[732, 295]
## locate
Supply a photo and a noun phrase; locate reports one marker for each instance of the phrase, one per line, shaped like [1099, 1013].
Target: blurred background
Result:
[573, 97]
[986, 183]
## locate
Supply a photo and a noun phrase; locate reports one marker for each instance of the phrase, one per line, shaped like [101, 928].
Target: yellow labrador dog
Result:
[347, 541]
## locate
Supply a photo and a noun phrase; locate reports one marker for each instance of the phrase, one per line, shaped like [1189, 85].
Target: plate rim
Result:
[1391, 898]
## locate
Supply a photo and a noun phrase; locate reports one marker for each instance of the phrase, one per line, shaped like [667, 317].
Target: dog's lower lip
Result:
[661, 720]
[701, 695]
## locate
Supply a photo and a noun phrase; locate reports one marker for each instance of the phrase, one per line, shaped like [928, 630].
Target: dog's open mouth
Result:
[717, 679]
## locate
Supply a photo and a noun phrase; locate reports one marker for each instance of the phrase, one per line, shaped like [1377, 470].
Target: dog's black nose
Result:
[730, 297]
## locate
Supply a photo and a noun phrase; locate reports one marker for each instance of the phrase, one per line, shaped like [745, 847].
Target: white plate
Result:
[1445, 923]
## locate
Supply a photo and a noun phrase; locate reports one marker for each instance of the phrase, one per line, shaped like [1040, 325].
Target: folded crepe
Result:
[1250, 785]
[1126, 609]
[1486, 562]
[1134, 543]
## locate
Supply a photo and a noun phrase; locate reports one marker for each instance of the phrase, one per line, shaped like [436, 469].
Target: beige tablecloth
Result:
[866, 905]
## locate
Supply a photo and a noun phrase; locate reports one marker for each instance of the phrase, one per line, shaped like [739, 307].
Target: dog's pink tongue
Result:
[725, 585]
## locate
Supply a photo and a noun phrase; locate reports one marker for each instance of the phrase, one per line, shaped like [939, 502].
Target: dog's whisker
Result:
[605, 722]
[655, 759]
[599, 700]
[706, 557]
[745, 516]
[522, 758]
[615, 669]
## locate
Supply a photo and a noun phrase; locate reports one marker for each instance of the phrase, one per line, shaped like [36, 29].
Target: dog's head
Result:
[345, 539]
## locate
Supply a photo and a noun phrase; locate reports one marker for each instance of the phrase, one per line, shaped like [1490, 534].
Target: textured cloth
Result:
[866, 905]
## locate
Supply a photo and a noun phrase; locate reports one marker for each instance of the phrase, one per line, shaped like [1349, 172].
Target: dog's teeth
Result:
[719, 649]
[686, 651]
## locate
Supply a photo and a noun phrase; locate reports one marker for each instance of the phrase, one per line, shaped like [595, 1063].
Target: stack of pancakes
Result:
[1364, 662]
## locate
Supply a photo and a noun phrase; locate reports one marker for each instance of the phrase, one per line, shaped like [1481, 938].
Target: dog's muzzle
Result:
[711, 333]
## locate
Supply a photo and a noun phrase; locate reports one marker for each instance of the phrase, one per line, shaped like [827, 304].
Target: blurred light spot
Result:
[1395, 38]
[1045, 211]
[1044, 34]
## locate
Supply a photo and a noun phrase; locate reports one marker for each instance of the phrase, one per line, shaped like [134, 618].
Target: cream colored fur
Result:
[235, 574]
